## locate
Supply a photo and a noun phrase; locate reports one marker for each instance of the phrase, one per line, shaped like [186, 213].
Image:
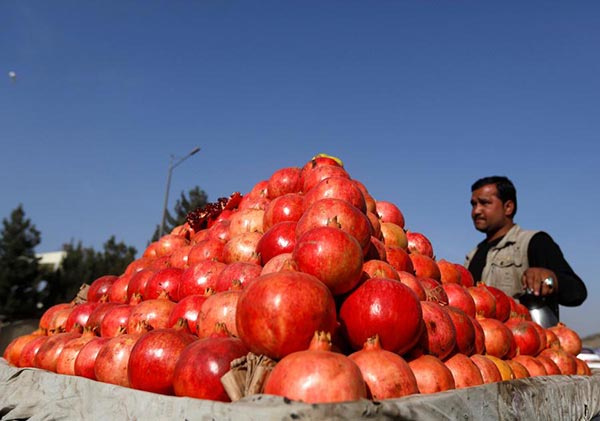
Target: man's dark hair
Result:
[506, 189]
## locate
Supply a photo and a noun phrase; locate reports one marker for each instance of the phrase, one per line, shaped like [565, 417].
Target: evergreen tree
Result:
[83, 265]
[184, 205]
[19, 269]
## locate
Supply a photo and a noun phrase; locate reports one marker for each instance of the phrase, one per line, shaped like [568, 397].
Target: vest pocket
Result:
[506, 272]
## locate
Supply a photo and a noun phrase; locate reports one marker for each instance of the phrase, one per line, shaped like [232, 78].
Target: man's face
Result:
[488, 212]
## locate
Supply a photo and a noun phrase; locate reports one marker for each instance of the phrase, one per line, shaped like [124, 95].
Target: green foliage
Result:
[82, 265]
[185, 204]
[19, 269]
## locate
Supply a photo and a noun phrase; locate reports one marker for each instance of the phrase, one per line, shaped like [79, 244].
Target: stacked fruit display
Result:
[313, 273]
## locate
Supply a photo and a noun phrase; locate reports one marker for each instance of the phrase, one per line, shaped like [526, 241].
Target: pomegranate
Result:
[242, 248]
[283, 208]
[498, 337]
[549, 364]
[565, 361]
[79, 316]
[465, 372]
[137, 283]
[503, 308]
[466, 278]
[485, 302]
[525, 335]
[317, 375]
[389, 212]
[534, 366]
[582, 368]
[65, 363]
[489, 370]
[278, 263]
[393, 235]
[418, 243]
[434, 290]
[94, 321]
[200, 276]
[201, 365]
[432, 374]
[552, 340]
[283, 181]
[279, 312]
[336, 187]
[519, 370]
[30, 350]
[459, 297]
[569, 339]
[153, 358]
[246, 220]
[206, 249]
[379, 269]
[465, 331]
[165, 281]
[332, 255]
[279, 238]
[99, 287]
[47, 355]
[49, 314]
[15, 347]
[115, 319]
[150, 314]
[398, 258]
[386, 373]
[219, 308]
[112, 360]
[413, 283]
[479, 336]
[187, 310]
[86, 358]
[237, 272]
[336, 213]
[117, 293]
[439, 336]
[383, 307]
[448, 272]
[505, 369]
[425, 266]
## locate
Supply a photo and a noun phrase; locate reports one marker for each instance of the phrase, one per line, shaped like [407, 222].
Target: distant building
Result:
[52, 259]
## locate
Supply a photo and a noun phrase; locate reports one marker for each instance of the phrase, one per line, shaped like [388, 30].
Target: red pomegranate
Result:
[489, 370]
[165, 281]
[393, 235]
[568, 338]
[534, 366]
[200, 276]
[479, 336]
[242, 248]
[332, 255]
[278, 263]
[418, 243]
[519, 370]
[425, 266]
[503, 308]
[138, 281]
[383, 307]
[279, 312]
[48, 353]
[434, 290]
[283, 208]
[432, 374]
[49, 314]
[386, 373]
[549, 364]
[336, 187]
[99, 287]
[389, 212]
[153, 358]
[498, 337]
[465, 372]
[187, 310]
[112, 360]
[485, 302]
[466, 278]
[317, 375]
[201, 365]
[15, 347]
[278, 239]
[283, 181]
[526, 336]
[459, 297]
[242, 272]
[379, 269]
[115, 320]
[448, 272]
[439, 336]
[465, 331]
[413, 283]
[565, 361]
[30, 350]
[219, 308]
[149, 315]
[65, 363]
[86, 358]
[117, 293]
[398, 258]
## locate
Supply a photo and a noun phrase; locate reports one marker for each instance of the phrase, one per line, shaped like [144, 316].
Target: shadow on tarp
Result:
[39, 395]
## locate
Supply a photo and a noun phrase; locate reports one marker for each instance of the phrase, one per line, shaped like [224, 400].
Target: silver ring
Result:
[549, 282]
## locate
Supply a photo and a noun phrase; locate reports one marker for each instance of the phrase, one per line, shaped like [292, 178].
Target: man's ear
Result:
[509, 208]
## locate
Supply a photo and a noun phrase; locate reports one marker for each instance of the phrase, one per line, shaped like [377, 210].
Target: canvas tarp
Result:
[40, 395]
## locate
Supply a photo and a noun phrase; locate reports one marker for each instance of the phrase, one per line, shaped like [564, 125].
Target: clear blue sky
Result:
[418, 98]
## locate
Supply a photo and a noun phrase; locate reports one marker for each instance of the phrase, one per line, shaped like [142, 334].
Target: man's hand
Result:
[540, 281]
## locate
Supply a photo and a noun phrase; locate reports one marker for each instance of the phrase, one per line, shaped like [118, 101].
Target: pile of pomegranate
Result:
[311, 271]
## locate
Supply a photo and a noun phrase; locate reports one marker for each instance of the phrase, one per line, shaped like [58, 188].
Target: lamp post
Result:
[172, 166]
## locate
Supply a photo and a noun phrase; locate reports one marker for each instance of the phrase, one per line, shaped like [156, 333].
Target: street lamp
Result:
[171, 167]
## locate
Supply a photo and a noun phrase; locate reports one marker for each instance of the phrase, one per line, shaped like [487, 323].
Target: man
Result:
[527, 265]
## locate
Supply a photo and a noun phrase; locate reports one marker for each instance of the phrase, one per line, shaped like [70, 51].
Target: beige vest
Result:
[507, 261]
